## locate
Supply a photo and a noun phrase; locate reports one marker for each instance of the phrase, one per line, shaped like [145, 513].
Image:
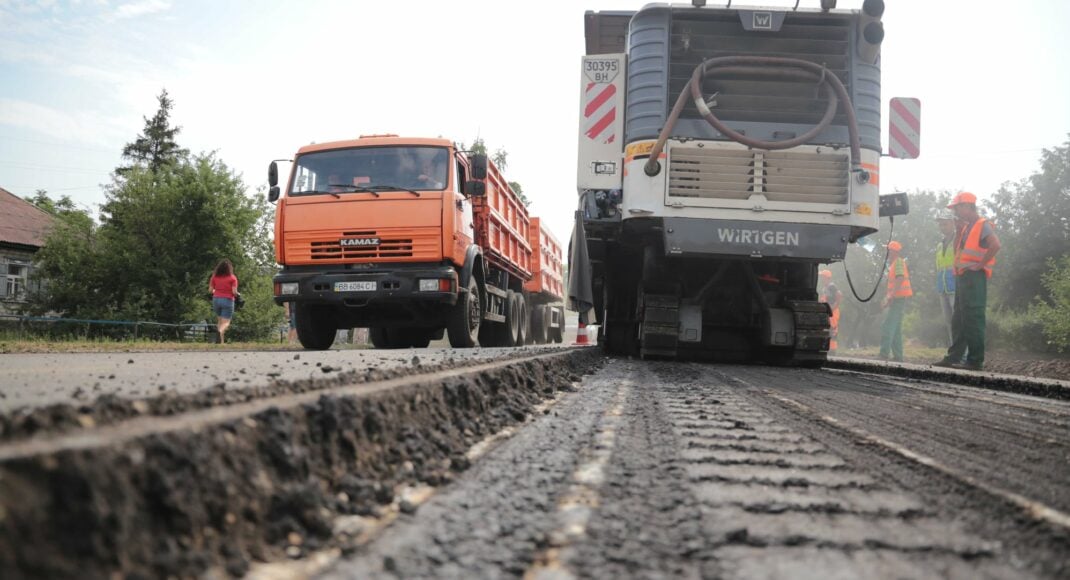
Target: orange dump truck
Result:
[546, 286]
[410, 238]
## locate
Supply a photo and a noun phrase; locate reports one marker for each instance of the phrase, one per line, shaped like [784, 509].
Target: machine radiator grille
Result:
[822, 39]
[713, 173]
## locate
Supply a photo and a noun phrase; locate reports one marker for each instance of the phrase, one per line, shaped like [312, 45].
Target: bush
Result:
[1054, 314]
[1014, 331]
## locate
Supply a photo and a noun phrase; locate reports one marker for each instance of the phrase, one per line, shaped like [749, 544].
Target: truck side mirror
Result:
[273, 174]
[273, 194]
[473, 188]
[479, 166]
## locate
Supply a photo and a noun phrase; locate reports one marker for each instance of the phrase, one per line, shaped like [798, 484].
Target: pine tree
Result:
[156, 146]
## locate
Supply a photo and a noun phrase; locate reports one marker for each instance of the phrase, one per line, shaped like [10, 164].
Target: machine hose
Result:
[772, 67]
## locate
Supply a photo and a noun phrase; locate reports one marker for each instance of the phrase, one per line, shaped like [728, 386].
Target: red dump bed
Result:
[502, 226]
[546, 284]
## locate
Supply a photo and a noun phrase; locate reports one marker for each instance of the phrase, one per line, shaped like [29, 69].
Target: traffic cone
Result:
[581, 335]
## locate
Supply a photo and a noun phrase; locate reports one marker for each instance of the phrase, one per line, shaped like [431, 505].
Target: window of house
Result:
[16, 281]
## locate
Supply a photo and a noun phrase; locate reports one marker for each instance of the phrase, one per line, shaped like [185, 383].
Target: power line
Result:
[50, 190]
[56, 144]
[59, 168]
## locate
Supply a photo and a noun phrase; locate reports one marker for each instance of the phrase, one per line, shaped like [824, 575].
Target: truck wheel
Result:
[512, 319]
[538, 330]
[466, 318]
[315, 329]
[559, 332]
[523, 335]
[379, 337]
[547, 321]
[416, 337]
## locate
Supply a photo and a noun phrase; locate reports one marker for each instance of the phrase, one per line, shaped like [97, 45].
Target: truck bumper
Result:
[393, 295]
[755, 239]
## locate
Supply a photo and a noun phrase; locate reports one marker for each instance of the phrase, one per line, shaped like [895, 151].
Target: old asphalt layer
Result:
[35, 380]
[674, 470]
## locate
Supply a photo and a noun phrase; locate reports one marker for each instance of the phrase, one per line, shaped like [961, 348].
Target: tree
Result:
[156, 146]
[1054, 312]
[165, 230]
[62, 208]
[66, 271]
[1032, 219]
[501, 159]
[167, 220]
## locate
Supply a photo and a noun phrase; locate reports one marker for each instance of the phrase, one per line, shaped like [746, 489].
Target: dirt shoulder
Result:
[1008, 363]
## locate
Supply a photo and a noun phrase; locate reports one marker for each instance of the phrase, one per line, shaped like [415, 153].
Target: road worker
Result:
[895, 301]
[945, 271]
[830, 294]
[976, 246]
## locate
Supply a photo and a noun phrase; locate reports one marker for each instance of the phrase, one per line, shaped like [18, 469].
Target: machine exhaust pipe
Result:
[870, 31]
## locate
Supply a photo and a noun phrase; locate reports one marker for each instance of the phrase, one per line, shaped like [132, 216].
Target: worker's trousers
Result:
[892, 330]
[968, 320]
[947, 304]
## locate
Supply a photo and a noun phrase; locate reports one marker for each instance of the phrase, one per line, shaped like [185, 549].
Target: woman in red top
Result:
[224, 287]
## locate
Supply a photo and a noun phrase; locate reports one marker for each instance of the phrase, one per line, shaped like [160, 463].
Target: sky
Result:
[253, 81]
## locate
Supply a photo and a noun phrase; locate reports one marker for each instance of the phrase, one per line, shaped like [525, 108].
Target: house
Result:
[23, 229]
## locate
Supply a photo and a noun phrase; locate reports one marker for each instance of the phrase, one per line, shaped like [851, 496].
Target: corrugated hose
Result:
[775, 68]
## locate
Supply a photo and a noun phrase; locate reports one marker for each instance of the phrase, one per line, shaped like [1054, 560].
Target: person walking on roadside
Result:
[830, 294]
[224, 289]
[945, 270]
[976, 246]
[895, 301]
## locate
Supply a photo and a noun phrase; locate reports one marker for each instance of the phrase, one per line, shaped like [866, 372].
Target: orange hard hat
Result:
[895, 246]
[825, 273]
[963, 197]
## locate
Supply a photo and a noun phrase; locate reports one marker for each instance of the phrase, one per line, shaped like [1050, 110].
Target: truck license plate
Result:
[354, 286]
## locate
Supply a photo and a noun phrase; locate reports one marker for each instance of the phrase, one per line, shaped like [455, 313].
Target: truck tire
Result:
[512, 319]
[393, 338]
[415, 337]
[547, 320]
[538, 329]
[379, 337]
[559, 332]
[466, 318]
[523, 335]
[315, 329]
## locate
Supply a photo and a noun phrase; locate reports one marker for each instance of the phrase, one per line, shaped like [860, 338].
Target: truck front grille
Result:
[412, 244]
[718, 173]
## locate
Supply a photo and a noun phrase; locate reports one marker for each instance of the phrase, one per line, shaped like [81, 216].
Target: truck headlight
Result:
[289, 288]
[436, 285]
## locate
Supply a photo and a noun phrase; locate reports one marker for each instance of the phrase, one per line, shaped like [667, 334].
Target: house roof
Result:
[21, 222]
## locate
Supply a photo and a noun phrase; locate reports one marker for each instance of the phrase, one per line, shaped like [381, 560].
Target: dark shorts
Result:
[223, 307]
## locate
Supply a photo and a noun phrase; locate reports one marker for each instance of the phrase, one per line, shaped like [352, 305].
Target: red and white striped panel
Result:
[904, 128]
[599, 112]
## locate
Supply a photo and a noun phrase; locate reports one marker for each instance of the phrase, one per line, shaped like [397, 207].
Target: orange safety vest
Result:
[834, 323]
[899, 286]
[971, 251]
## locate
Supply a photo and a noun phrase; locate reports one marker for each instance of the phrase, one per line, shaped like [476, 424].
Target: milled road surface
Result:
[34, 380]
[645, 470]
[673, 470]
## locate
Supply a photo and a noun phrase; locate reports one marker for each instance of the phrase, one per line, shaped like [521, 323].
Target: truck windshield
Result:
[368, 169]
